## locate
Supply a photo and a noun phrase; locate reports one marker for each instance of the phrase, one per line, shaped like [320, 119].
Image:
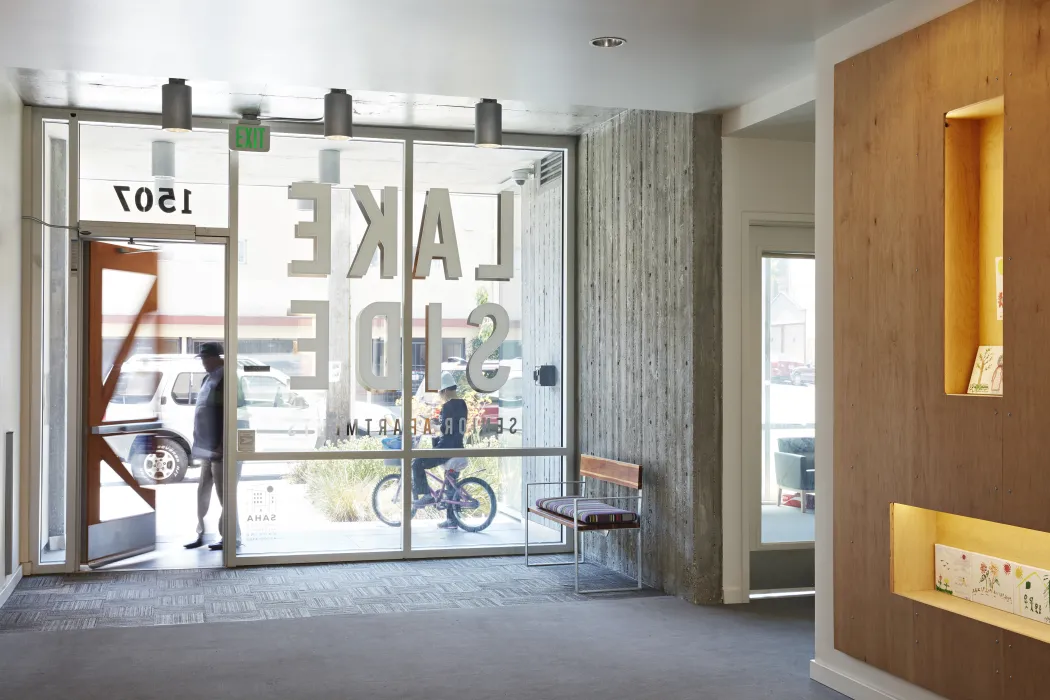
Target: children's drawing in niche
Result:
[987, 375]
[999, 288]
[997, 377]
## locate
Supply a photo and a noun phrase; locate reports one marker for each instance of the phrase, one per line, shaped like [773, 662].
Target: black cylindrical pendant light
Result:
[338, 115]
[488, 124]
[176, 113]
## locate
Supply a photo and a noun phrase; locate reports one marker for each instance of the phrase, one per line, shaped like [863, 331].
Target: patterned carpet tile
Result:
[194, 596]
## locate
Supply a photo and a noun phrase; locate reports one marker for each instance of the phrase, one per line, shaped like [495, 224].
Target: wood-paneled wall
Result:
[898, 436]
[649, 336]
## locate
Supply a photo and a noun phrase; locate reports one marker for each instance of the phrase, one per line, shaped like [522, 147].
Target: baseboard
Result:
[734, 595]
[9, 587]
[859, 690]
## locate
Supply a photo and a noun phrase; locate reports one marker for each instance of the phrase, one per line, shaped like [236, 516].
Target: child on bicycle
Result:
[452, 426]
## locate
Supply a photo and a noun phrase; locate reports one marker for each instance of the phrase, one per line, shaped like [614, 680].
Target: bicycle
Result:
[471, 502]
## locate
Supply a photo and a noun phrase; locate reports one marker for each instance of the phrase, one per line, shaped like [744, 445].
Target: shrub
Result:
[341, 489]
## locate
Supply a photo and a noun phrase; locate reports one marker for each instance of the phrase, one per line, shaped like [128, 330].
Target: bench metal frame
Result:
[578, 527]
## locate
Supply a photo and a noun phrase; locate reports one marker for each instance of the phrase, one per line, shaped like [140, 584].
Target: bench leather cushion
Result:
[592, 511]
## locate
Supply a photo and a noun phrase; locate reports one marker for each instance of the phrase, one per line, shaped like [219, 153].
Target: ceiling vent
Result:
[550, 169]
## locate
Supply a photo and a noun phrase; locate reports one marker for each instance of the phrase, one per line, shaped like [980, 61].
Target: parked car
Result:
[806, 374]
[780, 370]
[166, 386]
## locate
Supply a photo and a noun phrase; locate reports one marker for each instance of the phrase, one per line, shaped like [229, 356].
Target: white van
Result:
[166, 386]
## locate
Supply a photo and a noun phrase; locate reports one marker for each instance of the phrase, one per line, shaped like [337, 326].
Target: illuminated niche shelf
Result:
[973, 238]
[915, 531]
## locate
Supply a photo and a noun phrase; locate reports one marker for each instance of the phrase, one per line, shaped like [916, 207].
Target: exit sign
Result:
[249, 137]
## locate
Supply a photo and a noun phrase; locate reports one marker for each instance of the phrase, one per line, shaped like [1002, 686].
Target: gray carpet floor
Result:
[192, 596]
[636, 647]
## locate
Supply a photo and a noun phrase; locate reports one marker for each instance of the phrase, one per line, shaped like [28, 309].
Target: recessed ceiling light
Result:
[608, 42]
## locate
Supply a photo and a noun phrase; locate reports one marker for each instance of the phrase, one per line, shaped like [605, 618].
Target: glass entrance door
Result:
[119, 511]
[157, 300]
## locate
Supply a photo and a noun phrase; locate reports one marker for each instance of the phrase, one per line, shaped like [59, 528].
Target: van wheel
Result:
[166, 465]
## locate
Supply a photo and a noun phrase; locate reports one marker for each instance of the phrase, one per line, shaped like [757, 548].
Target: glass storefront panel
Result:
[55, 341]
[306, 324]
[488, 278]
[144, 174]
[494, 281]
[323, 505]
[321, 360]
[301, 315]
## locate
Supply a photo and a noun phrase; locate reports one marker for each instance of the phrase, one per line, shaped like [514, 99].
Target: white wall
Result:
[833, 668]
[10, 289]
[773, 179]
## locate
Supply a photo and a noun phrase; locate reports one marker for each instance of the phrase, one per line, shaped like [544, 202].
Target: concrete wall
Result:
[10, 303]
[650, 336]
[773, 179]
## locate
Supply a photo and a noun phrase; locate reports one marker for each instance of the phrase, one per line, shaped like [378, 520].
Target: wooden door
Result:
[115, 537]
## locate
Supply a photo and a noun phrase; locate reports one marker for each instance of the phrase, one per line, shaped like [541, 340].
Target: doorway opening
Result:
[149, 307]
[788, 398]
[781, 494]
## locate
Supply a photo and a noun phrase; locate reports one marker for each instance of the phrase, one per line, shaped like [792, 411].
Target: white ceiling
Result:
[681, 55]
[798, 124]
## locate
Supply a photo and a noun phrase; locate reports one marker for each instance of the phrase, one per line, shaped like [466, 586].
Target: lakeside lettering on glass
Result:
[436, 241]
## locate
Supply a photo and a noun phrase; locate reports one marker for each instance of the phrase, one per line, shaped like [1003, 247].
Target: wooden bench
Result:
[585, 513]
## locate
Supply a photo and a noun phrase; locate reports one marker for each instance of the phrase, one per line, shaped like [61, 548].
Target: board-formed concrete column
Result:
[649, 330]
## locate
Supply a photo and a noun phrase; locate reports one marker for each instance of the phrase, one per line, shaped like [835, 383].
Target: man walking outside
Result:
[208, 438]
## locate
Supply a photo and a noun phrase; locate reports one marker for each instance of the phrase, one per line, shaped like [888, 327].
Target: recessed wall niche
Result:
[973, 246]
[914, 535]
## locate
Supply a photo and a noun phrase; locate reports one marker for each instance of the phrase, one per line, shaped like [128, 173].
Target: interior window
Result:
[135, 387]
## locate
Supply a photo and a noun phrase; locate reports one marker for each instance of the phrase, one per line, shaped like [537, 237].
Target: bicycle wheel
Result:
[386, 500]
[481, 510]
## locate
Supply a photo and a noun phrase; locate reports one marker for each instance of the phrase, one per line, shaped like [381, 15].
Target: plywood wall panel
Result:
[1026, 673]
[898, 436]
[1026, 244]
[957, 657]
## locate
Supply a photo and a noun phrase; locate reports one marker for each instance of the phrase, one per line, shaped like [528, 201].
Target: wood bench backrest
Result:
[622, 473]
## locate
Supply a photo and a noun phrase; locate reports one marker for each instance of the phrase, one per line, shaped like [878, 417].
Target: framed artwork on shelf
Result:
[1032, 599]
[987, 375]
[993, 583]
[999, 288]
[953, 571]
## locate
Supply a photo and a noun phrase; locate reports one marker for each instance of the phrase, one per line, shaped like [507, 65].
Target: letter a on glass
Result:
[437, 237]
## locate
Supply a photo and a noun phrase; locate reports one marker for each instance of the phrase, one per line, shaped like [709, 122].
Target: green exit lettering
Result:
[249, 137]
